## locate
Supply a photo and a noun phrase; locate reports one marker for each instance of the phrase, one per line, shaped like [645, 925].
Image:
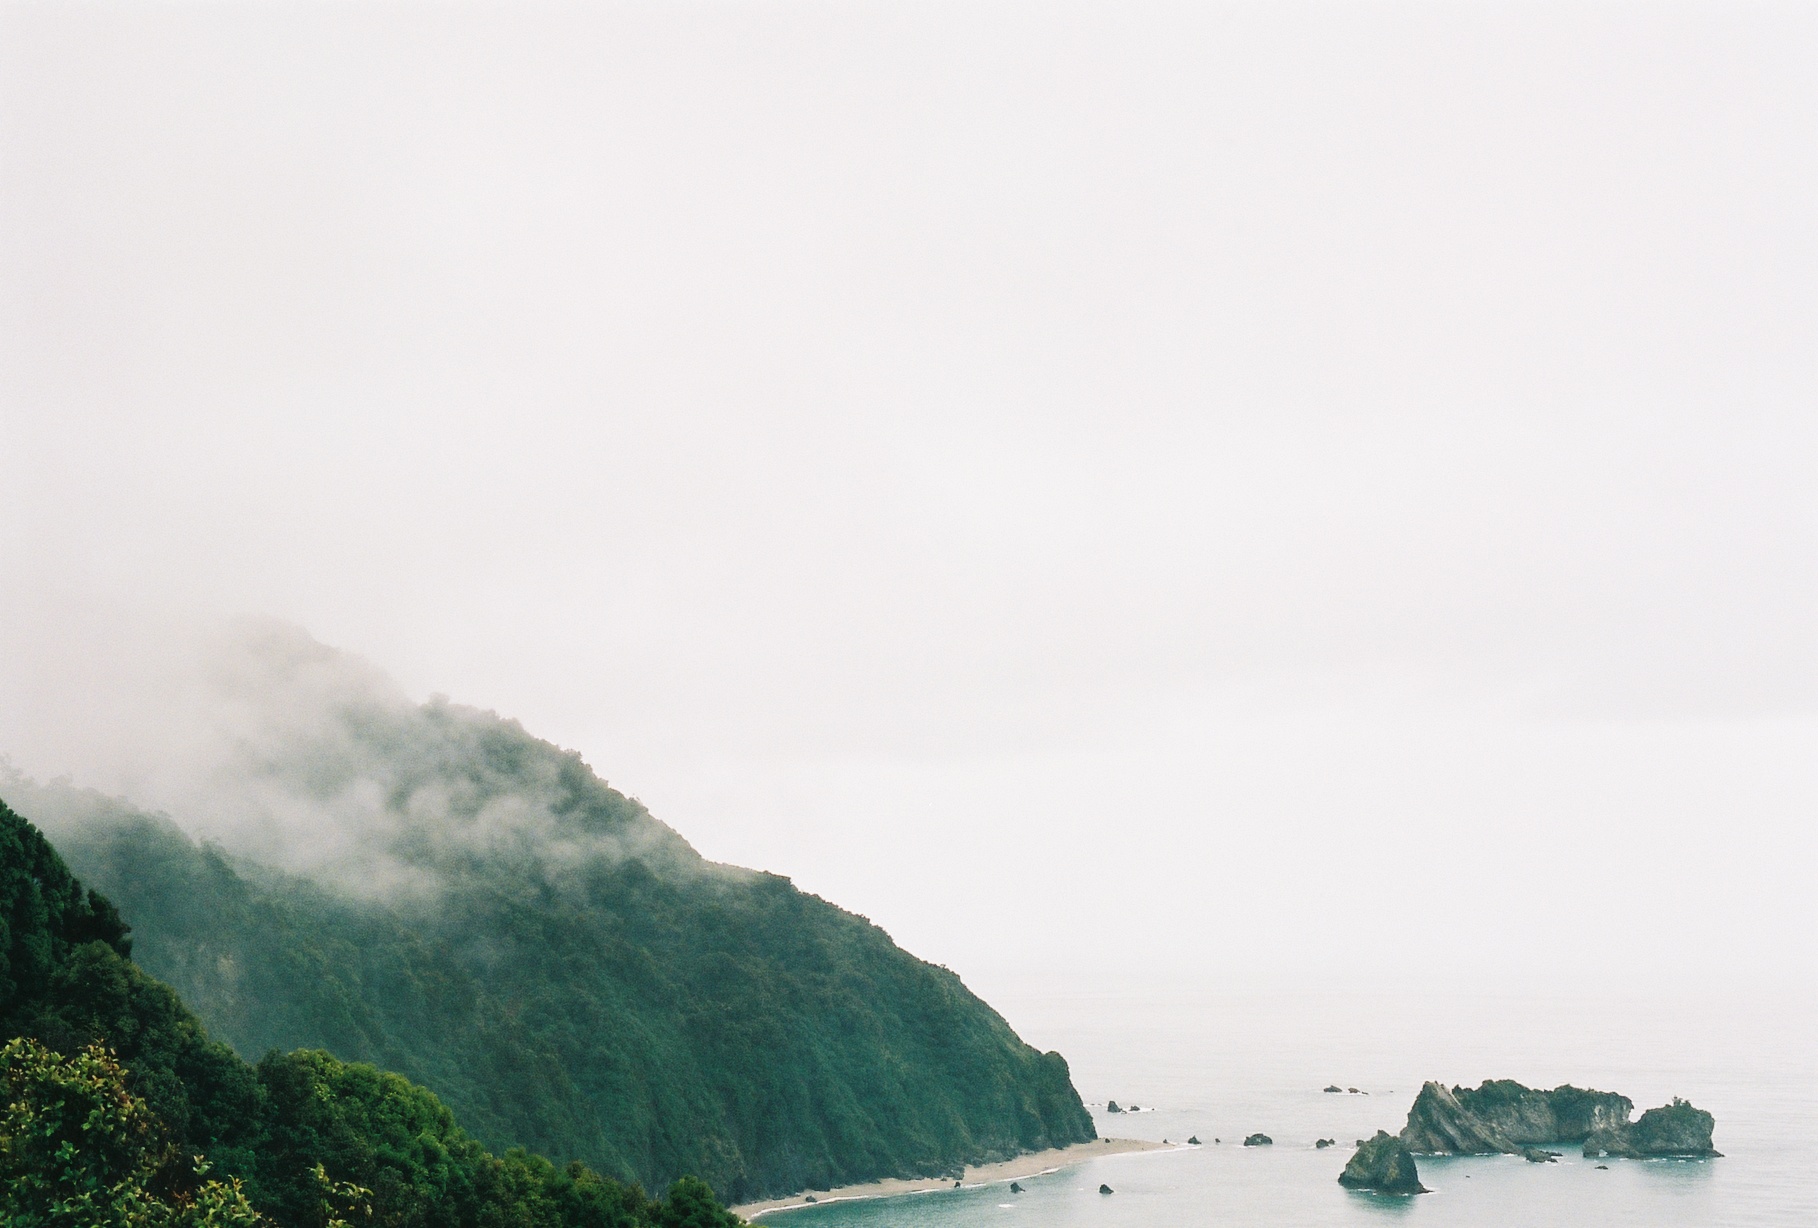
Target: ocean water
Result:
[1226, 1066]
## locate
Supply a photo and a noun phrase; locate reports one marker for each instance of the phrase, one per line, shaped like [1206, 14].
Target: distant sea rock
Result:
[1383, 1164]
[1111, 1107]
[1504, 1117]
[1335, 1089]
[1675, 1129]
[1259, 1140]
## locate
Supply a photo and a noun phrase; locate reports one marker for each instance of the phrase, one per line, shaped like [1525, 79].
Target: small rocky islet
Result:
[1503, 1117]
[1383, 1164]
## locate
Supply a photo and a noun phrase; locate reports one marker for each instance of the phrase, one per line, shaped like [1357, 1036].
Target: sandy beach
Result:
[1031, 1165]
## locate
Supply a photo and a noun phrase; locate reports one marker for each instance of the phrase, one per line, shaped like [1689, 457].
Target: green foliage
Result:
[653, 1015]
[102, 1138]
[691, 1204]
[78, 1150]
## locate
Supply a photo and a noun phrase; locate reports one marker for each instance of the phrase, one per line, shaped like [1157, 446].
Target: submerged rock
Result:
[1535, 1155]
[1383, 1164]
[1259, 1140]
[1335, 1089]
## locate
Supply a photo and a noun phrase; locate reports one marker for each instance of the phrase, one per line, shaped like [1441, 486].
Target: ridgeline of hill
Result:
[569, 976]
[119, 1110]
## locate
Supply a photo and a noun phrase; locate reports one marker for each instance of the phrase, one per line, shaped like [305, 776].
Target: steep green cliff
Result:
[570, 976]
[88, 1140]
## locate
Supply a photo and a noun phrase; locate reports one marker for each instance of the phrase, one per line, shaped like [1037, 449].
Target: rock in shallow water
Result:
[1384, 1165]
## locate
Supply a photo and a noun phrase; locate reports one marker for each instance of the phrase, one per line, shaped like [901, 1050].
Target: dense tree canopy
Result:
[118, 1105]
[585, 985]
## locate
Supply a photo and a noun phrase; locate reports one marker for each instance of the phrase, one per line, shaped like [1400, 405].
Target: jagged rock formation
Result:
[1383, 1164]
[1676, 1129]
[1504, 1117]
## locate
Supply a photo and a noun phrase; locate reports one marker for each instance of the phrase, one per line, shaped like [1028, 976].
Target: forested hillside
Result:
[118, 1109]
[571, 977]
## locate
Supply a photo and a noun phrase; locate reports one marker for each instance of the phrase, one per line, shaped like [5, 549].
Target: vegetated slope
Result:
[570, 976]
[67, 982]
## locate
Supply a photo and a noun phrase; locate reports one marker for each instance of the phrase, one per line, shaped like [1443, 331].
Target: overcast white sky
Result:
[1103, 490]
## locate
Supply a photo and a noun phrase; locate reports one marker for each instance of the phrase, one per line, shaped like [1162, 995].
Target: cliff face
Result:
[1439, 1124]
[1504, 1117]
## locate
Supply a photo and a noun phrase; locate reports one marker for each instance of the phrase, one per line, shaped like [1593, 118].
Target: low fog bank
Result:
[1356, 836]
[295, 755]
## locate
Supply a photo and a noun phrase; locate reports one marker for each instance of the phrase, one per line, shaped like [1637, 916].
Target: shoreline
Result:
[1033, 1164]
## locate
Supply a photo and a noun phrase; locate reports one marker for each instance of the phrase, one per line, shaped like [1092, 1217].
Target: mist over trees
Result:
[175, 1128]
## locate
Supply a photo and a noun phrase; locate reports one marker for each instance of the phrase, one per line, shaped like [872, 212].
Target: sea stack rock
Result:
[1322, 1144]
[1335, 1090]
[1504, 1117]
[1259, 1140]
[1382, 1164]
[1193, 1140]
[1673, 1130]
[1015, 1188]
[1105, 1189]
[1111, 1107]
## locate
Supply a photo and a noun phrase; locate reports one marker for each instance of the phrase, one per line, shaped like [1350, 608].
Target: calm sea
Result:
[1226, 1066]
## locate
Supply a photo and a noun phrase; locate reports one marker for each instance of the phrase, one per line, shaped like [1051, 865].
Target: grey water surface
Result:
[1223, 1067]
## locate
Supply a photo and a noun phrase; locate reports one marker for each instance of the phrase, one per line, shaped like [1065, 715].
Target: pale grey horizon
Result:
[1114, 493]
